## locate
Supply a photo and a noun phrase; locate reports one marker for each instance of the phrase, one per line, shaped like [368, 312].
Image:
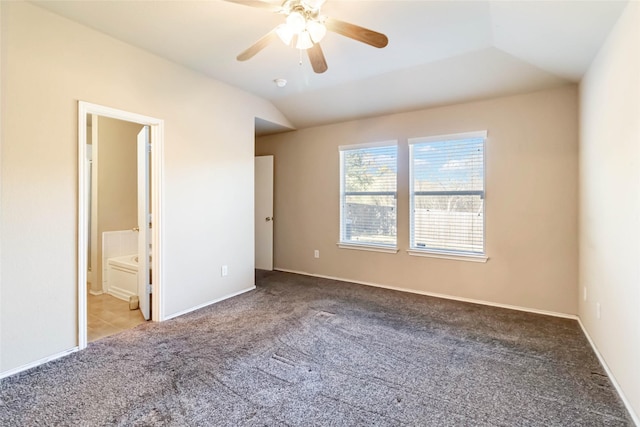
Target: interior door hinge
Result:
[149, 289]
[149, 147]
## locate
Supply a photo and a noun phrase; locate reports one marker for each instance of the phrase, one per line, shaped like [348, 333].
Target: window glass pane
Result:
[370, 219]
[447, 195]
[368, 195]
[448, 165]
[370, 169]
[453, 223]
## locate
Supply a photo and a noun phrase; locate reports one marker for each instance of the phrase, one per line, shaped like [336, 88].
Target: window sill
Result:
[448, 255]
[371, 248]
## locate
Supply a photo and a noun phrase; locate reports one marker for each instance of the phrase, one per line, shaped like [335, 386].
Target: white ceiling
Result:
[439, 52]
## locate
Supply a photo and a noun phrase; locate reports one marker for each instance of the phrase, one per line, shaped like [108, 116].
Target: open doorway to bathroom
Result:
[119, 266]
[112, 271]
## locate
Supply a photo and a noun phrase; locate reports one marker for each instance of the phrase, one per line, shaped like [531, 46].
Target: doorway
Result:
[263, 217]
[119, 230]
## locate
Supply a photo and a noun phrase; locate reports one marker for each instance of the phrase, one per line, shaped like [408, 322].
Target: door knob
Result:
[269, 218]
[136, 228]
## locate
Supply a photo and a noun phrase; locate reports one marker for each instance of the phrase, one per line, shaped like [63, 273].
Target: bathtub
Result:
[122, 276]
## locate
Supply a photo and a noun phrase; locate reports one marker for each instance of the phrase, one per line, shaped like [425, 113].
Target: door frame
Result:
[157, 190]
[143, 150]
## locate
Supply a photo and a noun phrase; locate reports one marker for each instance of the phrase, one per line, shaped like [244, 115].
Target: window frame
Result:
[444, 253]
[366, 246]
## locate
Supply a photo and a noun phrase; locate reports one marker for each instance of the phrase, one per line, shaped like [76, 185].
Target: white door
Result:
[264, 212]
[144, 222]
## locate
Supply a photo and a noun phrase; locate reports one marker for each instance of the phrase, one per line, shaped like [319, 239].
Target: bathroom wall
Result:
[117, 182]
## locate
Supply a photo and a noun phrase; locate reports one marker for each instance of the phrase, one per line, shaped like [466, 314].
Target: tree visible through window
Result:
[447, 193]
[368, 194]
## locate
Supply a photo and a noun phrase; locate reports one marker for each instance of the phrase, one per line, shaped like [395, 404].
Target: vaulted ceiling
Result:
[439, 52]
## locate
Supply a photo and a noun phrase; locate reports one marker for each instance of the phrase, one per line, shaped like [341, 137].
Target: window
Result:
[447, 195]
[368, 196]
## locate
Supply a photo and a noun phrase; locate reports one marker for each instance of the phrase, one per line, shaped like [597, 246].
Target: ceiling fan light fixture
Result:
[296, 22]
[312, 4]
[316, 30]
[304, 41]
[285, 33]
[304, 27]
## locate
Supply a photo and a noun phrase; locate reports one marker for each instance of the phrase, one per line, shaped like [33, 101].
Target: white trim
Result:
[115, 113]
[38, 362]
[94, 193]
[198, 307]
[450, 137]
[366, 247]
[437, 295]
[447, 255]
[121, 294]
[354, 147]
[157, 185]
[157, 211]
[412, 220]
[612, 378]
[390, 143]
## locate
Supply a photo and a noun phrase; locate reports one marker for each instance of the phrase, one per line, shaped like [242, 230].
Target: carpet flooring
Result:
[303, 351]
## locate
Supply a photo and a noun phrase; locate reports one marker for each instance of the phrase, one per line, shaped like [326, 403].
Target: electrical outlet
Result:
[316, 254]
[598, 310]
[224, 271]
[584, 293]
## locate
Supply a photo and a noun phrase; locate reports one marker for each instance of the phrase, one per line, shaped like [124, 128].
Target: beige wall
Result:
[49, 63]
[117, 181]
[531, 201]
[610, 202]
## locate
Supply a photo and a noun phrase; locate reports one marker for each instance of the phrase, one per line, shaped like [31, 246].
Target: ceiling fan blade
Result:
[356, 32]
[316, 57]
[258, 46]
[257, 3]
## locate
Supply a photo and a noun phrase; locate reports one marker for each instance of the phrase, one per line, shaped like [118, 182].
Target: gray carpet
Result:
[303, 351]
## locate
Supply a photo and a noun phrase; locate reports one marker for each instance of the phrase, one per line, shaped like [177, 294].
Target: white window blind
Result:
[368, 194]
[447, 193]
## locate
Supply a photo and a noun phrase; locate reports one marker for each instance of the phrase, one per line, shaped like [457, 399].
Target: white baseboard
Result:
[437, 295]
[626, 402]
[37, 363]
[96, 292]
[189, 310]
[120, 293]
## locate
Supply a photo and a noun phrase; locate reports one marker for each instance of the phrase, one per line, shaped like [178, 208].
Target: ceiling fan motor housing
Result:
[304, 27]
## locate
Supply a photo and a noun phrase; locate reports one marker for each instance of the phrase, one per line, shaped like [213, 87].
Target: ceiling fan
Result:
[304, 27]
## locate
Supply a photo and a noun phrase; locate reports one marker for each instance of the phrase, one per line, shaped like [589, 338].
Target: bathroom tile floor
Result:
[108, 315]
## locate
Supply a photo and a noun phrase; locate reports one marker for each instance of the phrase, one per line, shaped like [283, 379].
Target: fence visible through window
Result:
[447, 193]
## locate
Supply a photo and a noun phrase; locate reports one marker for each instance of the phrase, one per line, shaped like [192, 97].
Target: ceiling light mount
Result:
[280, 82]
[304, 27]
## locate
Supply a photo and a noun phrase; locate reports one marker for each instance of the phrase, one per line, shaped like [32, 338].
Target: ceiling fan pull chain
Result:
[300, 58]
